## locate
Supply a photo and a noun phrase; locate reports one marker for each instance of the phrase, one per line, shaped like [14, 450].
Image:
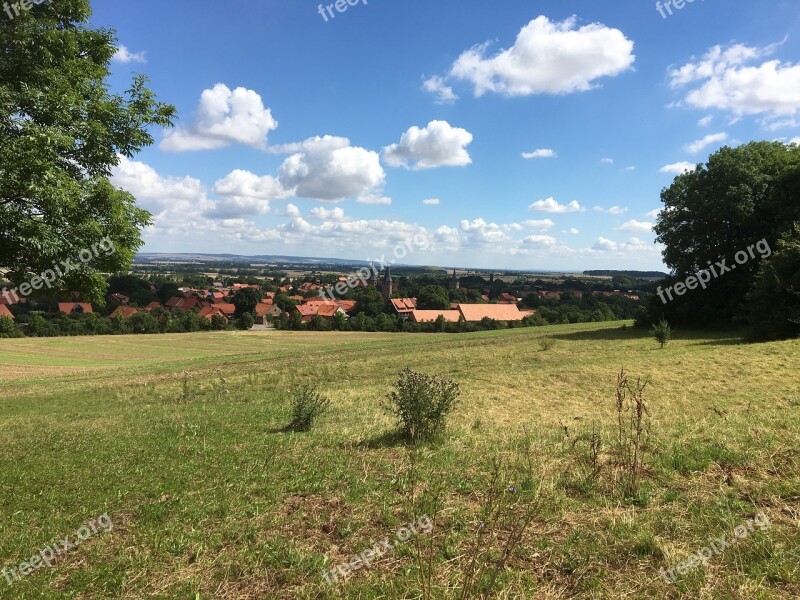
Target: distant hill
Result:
[145, 257]
[634, 274]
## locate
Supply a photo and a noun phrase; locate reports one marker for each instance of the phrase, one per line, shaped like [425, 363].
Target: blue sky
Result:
[302, 136]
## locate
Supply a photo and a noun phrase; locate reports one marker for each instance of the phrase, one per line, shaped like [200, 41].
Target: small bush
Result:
[421, 403]
[546, 344]
[307, 405]
[662, 332]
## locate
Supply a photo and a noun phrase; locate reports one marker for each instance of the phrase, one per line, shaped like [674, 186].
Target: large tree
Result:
[61, 133]
[773, 306]
[741, 196]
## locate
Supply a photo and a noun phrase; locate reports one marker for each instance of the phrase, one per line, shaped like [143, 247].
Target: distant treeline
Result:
[633, 274]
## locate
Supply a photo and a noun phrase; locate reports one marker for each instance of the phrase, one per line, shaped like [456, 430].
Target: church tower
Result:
[454, 282]
[388, 284]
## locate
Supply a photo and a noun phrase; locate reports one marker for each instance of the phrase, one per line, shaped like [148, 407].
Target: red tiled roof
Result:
[347, 306]
[423, 316]
[404, 305]
[126, 312]
[507, 298]
[152, 306]
[69, 308]
[498, 312]
[227, 309]
[4, 312]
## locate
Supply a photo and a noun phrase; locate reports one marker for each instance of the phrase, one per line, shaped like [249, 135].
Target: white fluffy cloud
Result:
[479, 232]
[329, 168]
[699, 145]
[125, 56]
[634, 226]
[727, 81]
[540, 153]
[606, 161]
[550, 205]
[539, 241]
[548, 58]
[539, 224]
[614, 210]
[437, 85]
[633, 246]
[324, 214]
[431, 202]
[245, 193]
[678, 168]
[437, 145]
[224, 117]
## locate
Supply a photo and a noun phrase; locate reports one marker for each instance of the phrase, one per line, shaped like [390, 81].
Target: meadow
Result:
[180, 440]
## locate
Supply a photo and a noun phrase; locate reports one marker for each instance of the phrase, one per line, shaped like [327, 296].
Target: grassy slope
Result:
[209, 497]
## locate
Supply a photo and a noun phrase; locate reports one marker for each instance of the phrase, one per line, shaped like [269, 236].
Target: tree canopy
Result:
[741, 196]
[61, 133]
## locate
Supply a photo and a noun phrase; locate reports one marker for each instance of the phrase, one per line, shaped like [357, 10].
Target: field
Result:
[180, 440]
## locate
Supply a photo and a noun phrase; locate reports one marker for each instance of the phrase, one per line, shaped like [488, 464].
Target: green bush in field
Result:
[9, 329]
[307, 405]
[421, 403]
[662, 332]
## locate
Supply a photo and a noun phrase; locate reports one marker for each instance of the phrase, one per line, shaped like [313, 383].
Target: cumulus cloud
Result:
[678, 168]
[632, 246]
[437, 85]
[728, 80]
[540, 153]
[550, 205]
[324, 214]
[634, 226]
[539, 224]
[431, 202]
[329, 168]
[539, 241]
[699, 145]
[224, 117]
[125, 56]
[245, 193]
[614, 210]
[479, 232]
[437, 145]
[548, 58]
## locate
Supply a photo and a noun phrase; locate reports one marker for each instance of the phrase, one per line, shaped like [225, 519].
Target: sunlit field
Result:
[180, 440]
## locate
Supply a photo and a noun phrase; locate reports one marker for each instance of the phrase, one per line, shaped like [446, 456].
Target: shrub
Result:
[245, 322]
[9, 329]
[421, 403]
[662, 332]
[546, 343]
[307, 405]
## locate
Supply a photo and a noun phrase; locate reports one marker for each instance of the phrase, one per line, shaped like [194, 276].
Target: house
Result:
[506, 298]
[226, 309]
[209, 312]
[119, 298]
[347, 306]
[326, 310]
[74, 308]
[266, 312]
[499, 312]
[124, 312]
[152, 306]
[428, 316]
[4, 312]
